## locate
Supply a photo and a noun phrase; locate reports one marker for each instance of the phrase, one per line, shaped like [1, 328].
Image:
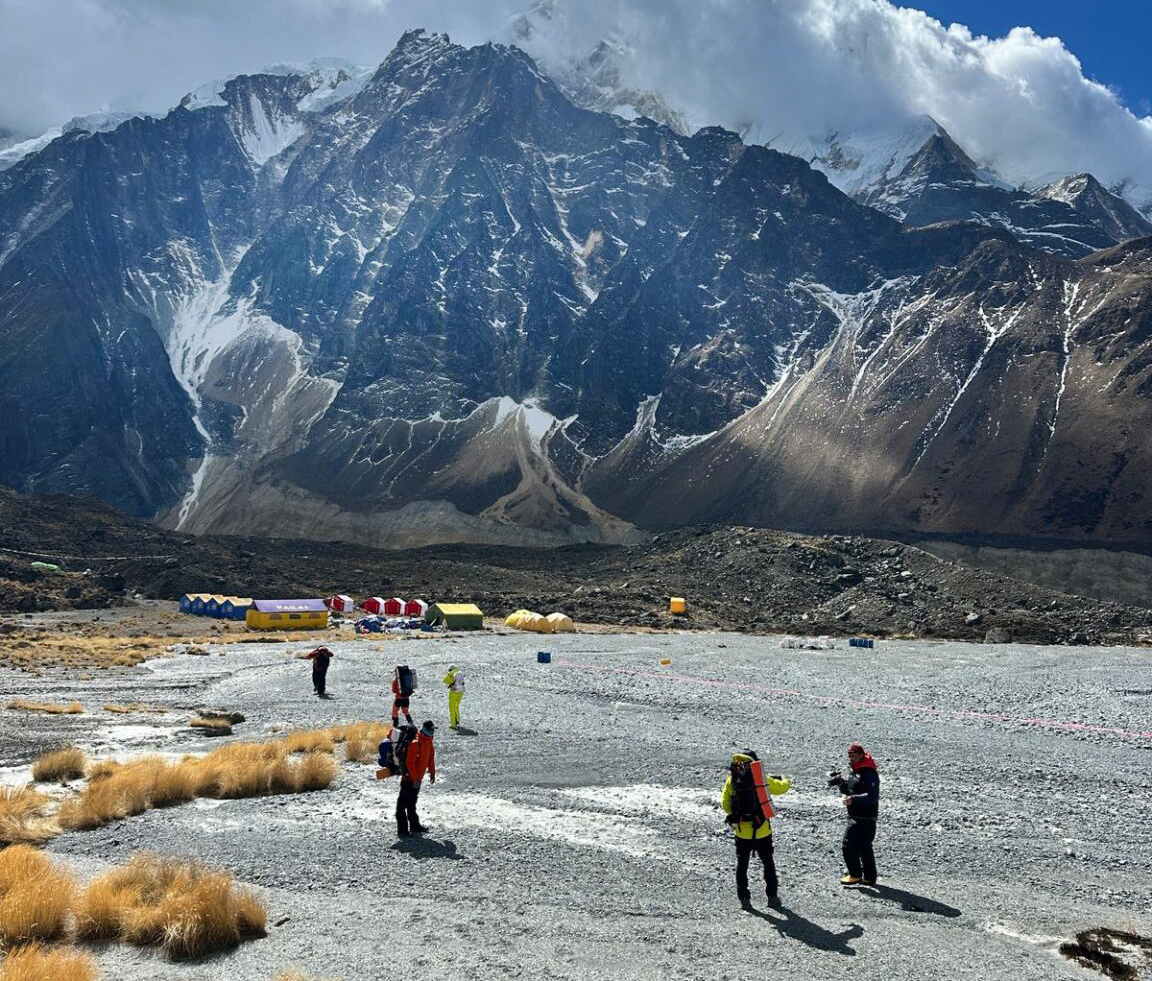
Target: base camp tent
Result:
[455, 616]
[340, 603]
[373, 604]
[561, 623]
[415, 608]
[289, 614]
[393, 607]
[188, 602]
[235, 607]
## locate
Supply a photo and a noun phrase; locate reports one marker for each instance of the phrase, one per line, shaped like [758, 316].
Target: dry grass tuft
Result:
[32, 650]
[132, 707]
[212, 727]
[309, 741]
[73, 708]
[62, 764]
[361, 739]
[180, 905]
[24, 817]
[36, 896]
[35, 963]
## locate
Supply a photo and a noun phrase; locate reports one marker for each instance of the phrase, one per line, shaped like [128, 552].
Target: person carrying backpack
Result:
[454, 679]
[746, 801]
[403, 684]
[419, 759]
[320, 659]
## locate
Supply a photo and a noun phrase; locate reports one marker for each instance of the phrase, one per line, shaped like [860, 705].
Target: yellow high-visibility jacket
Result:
[745, 829]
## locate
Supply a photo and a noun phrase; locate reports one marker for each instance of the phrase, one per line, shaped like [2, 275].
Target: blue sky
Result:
[1112, 38]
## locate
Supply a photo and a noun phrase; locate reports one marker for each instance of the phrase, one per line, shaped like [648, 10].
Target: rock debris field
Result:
[575, 828]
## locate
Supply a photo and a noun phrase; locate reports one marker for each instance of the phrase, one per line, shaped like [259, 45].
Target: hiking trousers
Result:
[762, 847]
[454, 698]
[406, 818]
[319, 678]
[858, 855]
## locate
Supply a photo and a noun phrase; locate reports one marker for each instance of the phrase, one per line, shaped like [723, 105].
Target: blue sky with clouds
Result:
[1111, 38]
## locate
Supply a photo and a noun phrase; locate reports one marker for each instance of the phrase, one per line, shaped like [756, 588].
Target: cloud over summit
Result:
[782, 70]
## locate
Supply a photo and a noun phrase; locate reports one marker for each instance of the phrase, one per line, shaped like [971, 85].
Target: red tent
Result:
[415, 608]
[393, 607]
[373, 604]
[340, 603]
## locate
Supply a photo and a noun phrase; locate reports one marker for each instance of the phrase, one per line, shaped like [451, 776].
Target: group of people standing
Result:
[746, 800]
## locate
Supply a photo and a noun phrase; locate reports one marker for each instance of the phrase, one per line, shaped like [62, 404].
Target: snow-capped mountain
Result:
[440, 301]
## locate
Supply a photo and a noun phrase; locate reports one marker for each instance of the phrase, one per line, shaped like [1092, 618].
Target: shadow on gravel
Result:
[909, 900]
[419, 846]
[808, 933]
[465, 731]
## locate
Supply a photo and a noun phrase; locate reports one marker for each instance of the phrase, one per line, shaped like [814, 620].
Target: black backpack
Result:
[405, 680]
[745, 800]
[400, 752]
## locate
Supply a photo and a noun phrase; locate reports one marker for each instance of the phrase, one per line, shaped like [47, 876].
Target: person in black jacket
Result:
[861, 796]
[320, 659]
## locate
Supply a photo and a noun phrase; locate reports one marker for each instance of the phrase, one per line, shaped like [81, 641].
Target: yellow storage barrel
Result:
[677, 605]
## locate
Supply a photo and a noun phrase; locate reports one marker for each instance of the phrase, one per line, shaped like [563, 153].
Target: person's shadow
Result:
[808, 933]
[465, 731]
[909, 900]
[324, 695]
[421, 846]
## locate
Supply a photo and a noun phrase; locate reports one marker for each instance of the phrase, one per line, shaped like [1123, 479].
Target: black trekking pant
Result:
[858, 856]
[319, 678]
[762, 847]
[406, 818]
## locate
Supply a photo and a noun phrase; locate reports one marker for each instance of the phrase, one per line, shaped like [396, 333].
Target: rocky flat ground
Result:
[575, 829]
[744, 579]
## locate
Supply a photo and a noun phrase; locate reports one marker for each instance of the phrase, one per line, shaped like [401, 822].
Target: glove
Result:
[731, 819]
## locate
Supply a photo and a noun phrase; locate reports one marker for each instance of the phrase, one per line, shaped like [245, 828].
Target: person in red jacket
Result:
[421, 759]
[399, 702]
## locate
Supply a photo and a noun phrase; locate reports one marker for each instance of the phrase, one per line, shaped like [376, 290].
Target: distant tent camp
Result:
[289, 614]
[415, 608]
[393, 607]
[373, 604]
[188, 600]
[528, 620]
[455, 616]
[235, 607]
[340, 603]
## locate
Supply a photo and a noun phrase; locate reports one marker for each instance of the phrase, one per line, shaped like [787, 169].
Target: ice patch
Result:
[14, 154]
[268, 136]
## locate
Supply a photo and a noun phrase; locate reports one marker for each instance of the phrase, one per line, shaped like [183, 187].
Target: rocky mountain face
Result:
[442, 302]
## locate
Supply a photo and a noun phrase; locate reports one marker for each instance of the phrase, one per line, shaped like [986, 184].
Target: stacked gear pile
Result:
[554, 623]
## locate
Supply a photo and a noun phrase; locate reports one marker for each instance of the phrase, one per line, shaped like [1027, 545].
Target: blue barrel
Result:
[543, 657]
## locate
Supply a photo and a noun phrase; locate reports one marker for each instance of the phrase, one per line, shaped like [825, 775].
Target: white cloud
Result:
[782, 69]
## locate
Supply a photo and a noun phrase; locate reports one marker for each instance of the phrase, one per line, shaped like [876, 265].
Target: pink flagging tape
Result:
[865, 703]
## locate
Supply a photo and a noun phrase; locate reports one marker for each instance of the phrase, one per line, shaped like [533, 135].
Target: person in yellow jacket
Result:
[454, 679]
[752, 828]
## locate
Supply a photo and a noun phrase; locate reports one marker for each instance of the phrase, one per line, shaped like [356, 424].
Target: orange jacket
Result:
[421, 757]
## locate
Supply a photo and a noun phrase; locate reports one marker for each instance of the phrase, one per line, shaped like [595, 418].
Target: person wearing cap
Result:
[751, 828]
[454, 679]
[421, 759]
[860, 795]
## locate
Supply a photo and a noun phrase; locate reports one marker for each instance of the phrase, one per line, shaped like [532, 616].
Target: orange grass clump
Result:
[35, 963]
[119, 790]
[361, 739]
[36, 896]
[177, 904]
[309, 741]
[72, 708]
[134, 707]
[24, 816]
[61, 764]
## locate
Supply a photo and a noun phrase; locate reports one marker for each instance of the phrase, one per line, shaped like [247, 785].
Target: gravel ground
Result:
[576, 832]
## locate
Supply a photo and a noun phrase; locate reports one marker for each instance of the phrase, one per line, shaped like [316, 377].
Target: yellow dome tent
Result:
[561, 623]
